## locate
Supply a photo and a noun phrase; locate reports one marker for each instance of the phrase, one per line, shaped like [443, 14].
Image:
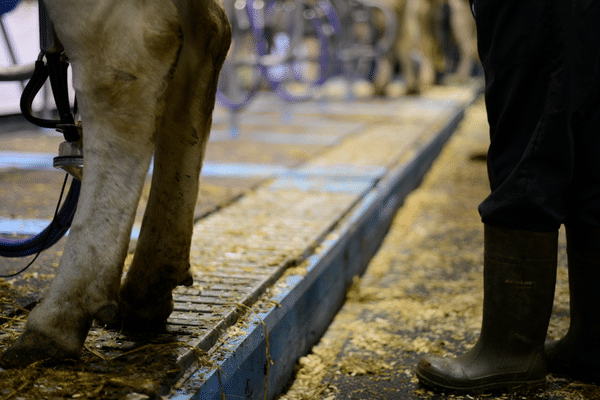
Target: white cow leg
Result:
[463, 27]
[87, 283]
[120, 85]
[161, 260]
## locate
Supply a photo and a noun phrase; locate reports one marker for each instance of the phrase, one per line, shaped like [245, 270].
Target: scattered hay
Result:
[144, 371]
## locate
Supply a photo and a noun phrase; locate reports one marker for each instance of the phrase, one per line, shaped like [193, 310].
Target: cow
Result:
[417, 48]
[462, 26]
[145, 75]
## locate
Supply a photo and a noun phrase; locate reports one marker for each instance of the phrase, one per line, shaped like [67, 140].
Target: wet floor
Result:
[422, 292]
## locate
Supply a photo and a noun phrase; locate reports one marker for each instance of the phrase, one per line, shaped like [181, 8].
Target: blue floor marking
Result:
[22, 226]
[324, 185]
[22, 160]
[345, 178]
[347, 171]
[279, 138]
[43, 161]
[242, 170]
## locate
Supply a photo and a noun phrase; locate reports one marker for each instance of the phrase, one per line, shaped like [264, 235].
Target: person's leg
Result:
[530, 159]
[578, 353]
[529, 166]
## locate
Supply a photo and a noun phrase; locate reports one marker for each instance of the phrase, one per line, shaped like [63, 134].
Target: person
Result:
[542, 93]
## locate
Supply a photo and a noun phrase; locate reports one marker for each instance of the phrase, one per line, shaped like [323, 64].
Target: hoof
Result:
[143, 310]
[107, 314]
[188, 281]
[141, 317]
[34, 346]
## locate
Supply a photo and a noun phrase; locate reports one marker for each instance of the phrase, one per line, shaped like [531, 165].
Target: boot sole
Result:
[508, 387]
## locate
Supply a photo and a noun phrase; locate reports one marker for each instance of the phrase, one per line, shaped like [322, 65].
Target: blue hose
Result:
[49, 236]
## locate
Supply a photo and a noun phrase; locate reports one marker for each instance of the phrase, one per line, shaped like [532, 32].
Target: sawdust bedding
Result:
[422, 292]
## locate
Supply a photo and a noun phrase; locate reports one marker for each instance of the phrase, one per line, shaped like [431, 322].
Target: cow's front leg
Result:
[161, 260]
[463, 28]
[122, 61]
[86, 286]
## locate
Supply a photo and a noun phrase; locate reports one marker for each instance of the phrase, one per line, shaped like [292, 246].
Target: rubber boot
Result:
[578, 353]
[519, 278]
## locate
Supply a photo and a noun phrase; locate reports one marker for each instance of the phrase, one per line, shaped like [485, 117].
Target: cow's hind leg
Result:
[122, 56]
[161, 260]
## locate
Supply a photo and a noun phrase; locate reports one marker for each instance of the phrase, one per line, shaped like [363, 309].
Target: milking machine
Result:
[294, 46]
[273, 43]
[51, 65]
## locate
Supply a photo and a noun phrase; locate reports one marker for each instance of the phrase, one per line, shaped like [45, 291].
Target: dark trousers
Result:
[541, 61]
